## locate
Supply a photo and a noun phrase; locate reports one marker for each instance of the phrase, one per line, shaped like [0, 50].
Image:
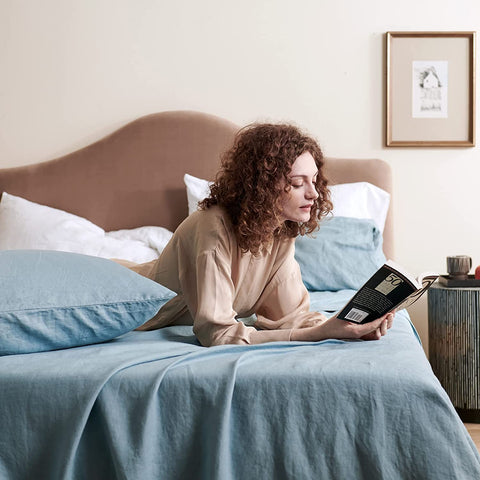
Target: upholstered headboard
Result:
[134, 176]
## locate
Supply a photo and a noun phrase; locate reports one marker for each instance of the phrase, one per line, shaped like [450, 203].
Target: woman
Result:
[234, 257]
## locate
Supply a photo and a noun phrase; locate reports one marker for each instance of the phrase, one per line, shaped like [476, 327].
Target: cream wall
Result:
[72, 71]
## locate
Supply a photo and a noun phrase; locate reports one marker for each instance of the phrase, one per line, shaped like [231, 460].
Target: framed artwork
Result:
[430, 89]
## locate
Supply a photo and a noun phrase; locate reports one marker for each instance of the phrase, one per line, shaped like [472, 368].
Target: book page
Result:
[404, 272]
[427, 282]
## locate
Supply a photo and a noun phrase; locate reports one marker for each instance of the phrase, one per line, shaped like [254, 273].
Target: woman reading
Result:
[234, 257]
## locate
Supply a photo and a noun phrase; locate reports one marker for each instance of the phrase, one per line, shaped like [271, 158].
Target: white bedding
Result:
[28, 225]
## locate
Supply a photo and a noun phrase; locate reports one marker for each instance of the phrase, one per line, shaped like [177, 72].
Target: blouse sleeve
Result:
[285, 303]
[209, 294]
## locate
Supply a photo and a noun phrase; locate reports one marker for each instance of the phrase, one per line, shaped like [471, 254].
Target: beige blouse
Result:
[216, 284]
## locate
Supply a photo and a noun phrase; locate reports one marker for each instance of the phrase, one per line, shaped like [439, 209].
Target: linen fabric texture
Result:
[54, 300]
[343, 254]
[150, 404]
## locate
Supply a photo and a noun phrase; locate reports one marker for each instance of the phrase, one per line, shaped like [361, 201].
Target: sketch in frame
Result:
[430, 89]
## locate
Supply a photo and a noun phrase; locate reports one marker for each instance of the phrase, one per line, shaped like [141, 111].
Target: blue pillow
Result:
[51, 300]
[344, 253]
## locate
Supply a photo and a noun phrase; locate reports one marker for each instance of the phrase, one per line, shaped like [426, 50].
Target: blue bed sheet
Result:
[157, 405]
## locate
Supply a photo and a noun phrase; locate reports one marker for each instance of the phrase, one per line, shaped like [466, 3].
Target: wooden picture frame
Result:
[430, 89]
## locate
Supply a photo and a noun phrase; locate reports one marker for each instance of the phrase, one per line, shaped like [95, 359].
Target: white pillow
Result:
[357, 200]
[360, 200]
[197, 190]
[31, 226]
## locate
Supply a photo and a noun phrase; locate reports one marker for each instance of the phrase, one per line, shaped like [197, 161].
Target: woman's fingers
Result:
[379, 327]
[371, 327]
[337, 328]
[384, 327]
[375, 335]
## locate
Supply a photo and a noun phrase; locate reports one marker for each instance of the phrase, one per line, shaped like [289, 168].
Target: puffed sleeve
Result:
[209, 295]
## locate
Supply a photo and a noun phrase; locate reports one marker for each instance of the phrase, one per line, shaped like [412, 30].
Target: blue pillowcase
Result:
[343, 254]
[51, 300]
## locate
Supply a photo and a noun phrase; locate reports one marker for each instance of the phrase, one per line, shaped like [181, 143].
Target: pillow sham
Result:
[357, 200]
[29, 225]
[343, 254]
[53, 300]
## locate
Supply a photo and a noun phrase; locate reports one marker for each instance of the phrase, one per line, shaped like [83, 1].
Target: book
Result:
[390, 288]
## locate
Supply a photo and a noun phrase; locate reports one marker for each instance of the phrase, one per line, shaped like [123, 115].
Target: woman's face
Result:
[298, 201]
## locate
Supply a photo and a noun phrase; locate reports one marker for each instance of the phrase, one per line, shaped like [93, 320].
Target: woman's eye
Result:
[297, 185]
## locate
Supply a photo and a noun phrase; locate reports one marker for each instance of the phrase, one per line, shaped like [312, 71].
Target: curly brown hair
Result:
[253, 178]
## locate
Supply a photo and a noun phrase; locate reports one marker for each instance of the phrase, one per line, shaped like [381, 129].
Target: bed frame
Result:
[365, 410]
[117, 181]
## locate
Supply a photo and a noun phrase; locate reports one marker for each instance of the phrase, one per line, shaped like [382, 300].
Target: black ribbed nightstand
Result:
[454, 345]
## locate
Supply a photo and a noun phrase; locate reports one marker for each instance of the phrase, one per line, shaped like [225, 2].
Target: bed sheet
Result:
[158, 405]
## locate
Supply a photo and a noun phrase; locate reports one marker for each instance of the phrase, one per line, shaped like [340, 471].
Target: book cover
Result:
[390, 287]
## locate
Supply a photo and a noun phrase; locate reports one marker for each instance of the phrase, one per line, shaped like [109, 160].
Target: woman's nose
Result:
[311, 192]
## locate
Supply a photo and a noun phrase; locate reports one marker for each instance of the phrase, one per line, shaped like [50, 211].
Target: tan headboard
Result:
[134, 176]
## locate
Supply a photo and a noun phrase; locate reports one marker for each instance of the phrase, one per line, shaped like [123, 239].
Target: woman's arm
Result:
[286, 304]
[337, 328]
[283, 313]
[209, 292]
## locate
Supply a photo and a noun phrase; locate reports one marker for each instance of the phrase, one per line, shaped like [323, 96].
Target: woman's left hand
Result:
[382, 329]
[341, 329]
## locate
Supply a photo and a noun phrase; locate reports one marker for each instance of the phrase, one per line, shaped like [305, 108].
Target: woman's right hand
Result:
[335, 328]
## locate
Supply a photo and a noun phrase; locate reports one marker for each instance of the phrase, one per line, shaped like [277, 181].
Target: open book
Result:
[389, 288]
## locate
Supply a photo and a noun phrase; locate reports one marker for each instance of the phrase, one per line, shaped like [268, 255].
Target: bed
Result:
[77, 403]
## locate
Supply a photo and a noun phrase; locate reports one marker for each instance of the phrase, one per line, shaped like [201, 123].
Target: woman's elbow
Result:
[211, 337]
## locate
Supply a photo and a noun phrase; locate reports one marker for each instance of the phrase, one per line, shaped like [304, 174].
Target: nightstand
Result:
[454, 345]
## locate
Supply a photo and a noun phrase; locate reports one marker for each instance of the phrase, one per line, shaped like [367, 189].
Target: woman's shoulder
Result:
[284, 247]
[208, 229]
[212, 217]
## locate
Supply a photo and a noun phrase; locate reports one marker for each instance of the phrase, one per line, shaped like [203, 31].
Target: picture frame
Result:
[430, 89]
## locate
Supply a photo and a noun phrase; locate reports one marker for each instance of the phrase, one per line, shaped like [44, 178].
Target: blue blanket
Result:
[157, 405]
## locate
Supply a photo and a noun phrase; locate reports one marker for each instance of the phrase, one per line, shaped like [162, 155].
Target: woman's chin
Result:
[302, 219]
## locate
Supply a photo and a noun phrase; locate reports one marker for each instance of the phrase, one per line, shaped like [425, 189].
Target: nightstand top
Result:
[468, 284]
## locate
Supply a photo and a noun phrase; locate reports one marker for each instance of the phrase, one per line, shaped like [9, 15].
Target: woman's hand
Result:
[382, 330]
[341, 329]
